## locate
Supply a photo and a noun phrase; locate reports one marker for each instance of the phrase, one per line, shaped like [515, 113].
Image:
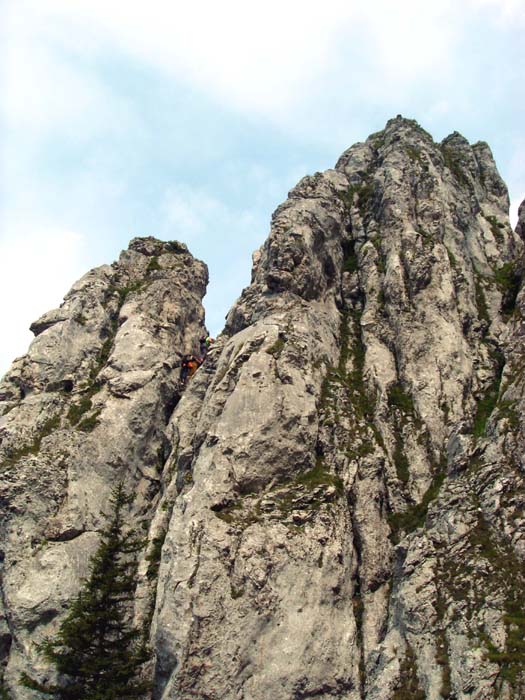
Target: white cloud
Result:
[37, 267]
[190, 214]
[504, 11]
[297, 66]
[268, 58]
[48, 84]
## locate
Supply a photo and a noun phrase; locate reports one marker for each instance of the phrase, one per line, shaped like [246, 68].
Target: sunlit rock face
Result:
[337, 499]
[85, 408]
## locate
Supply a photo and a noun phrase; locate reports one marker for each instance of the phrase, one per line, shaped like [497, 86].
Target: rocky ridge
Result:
[339, 503]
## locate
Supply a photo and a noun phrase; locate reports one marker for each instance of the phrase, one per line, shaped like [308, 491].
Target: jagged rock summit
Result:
[334, 506]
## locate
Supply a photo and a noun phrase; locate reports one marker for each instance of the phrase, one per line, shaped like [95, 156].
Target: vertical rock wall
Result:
[335, 506]
[85, 408]
[317, 492]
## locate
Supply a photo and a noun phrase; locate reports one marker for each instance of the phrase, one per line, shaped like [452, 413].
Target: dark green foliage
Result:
[365, 194]
[154, 554]
[77, 410]
[481, 302]
[33, 448]
[96, 651]
[320, 476]
[484, 408]
[400, 461]
[409, 688]
[350, 262]
[453, 162]
[175, 247]
[415, 516]
[508, 575]
[508, 280]
[496, 228]
[452, 260]
[487, 403]
[277, 348]
[89, 423]
[4, 693]
[365, 197]
[153, 265]
[509, 411]
[123, 292]
[413, 153]
[398, 398]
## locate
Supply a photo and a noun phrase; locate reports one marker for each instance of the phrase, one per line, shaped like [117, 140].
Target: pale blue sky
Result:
[193, 122]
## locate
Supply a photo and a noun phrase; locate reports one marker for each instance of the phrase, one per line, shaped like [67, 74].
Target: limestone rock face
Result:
[85, 408]
[338, 496]
[338, 471]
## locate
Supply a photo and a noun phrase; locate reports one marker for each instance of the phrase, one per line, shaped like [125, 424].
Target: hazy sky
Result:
[193, 120]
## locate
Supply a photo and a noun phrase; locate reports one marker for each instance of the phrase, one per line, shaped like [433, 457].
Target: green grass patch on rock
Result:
[277, 347]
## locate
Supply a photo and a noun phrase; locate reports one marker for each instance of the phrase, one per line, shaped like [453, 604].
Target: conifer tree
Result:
[96, 650]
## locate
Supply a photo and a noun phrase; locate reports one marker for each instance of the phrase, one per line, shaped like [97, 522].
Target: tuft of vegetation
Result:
[481, 302]
[320, 476]
[508, 572]
[350, 263]
[413, 153]
[277, 347]
[81, 319]
[77, 410]
[176, 247]
[90, 423]
[409, 687]
[33, 448]
[452, 260]
[153, 556]
[365, 197]
[453, 163]
[487, 403]
[124, 292]
[508, 280]
[414, 517]
[496, 228]
[508, 410]
[400, 460]
[398, 398]
[153, 265]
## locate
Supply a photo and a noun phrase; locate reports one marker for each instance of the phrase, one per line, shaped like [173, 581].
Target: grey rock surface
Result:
[85, 408]
[339, 492]
[335, 497]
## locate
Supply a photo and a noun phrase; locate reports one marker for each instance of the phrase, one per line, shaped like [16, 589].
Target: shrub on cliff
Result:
[96, 650]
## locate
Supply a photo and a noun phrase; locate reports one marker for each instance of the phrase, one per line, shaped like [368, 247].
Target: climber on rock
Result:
[185, 368]
[193, 364]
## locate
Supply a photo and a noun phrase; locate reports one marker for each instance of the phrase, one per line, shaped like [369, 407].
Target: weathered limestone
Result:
[345, 391]
[338, 497]
[84, 408]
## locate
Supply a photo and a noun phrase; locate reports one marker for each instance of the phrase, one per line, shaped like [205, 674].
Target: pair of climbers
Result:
[190, 364]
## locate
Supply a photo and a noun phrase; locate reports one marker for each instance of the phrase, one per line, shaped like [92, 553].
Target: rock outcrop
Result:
[338, 497]
[85, 408]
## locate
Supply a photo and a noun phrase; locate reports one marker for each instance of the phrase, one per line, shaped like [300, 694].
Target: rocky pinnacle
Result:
[334, 506]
